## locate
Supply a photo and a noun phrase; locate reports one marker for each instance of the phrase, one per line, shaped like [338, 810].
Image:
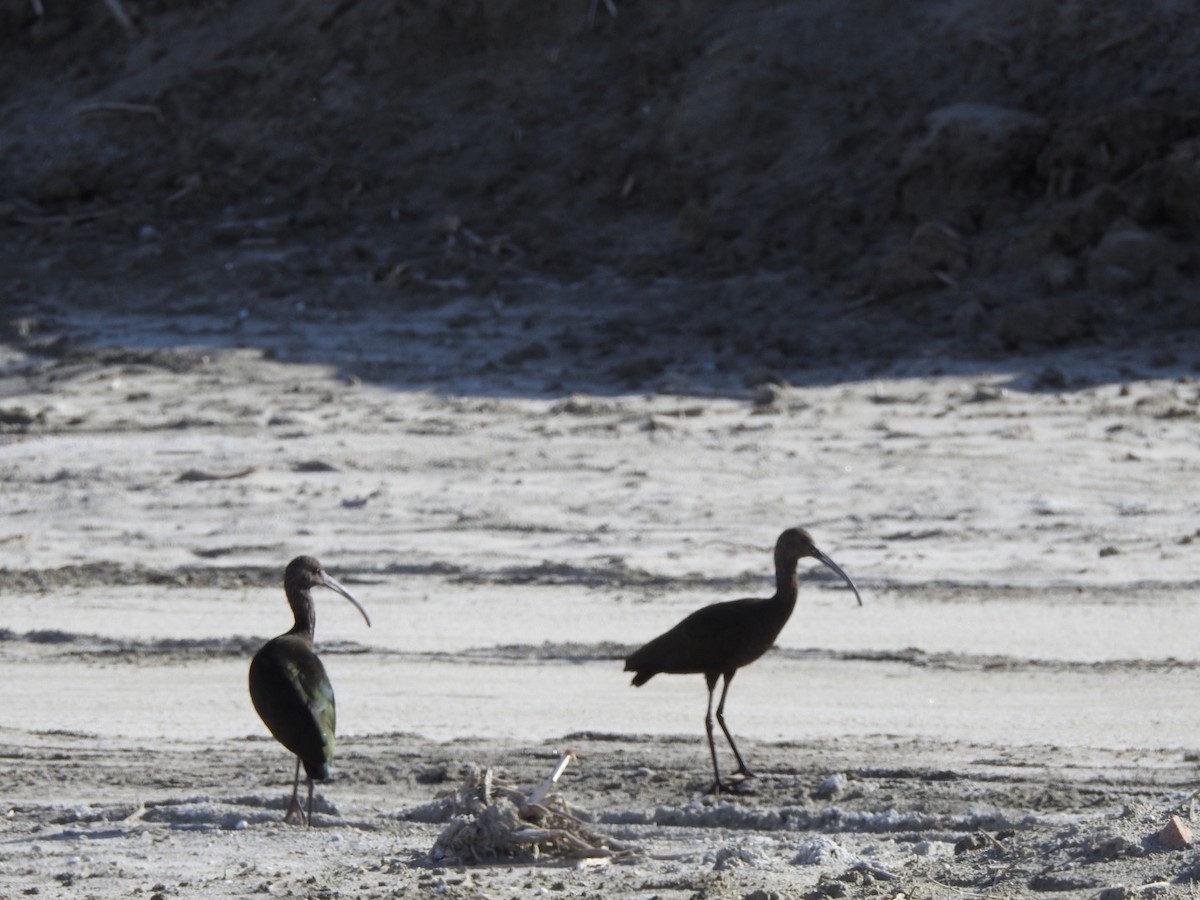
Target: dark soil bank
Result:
[771, 186]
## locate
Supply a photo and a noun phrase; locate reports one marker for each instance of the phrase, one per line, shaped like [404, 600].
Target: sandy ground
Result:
[1011, 712]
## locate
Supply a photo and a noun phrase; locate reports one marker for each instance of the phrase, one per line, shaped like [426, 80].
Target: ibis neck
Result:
[306, 615]
[787, 584]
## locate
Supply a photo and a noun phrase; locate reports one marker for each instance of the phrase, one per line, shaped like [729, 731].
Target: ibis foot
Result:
[731, 787]
[295, 814]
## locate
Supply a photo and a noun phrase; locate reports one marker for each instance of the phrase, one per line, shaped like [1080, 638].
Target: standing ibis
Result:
[289, 687]
[717, 640]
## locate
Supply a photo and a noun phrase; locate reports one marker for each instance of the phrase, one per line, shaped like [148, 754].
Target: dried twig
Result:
[988, 39]
[201, 475]
[67, 219]
[110, 107]
[610, 5]
[118, 11]
[539, 793]
[1126, 38]
[190, 183]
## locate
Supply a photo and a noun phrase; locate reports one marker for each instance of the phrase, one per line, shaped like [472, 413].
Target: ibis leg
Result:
[742, 770]
[294, 810]
[708, 727]
[310, 795]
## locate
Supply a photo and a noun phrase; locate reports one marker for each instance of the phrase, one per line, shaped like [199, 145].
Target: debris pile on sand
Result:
[493, 820]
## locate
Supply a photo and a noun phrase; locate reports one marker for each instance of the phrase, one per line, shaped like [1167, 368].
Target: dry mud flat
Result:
[1011, 713]
[873, 817]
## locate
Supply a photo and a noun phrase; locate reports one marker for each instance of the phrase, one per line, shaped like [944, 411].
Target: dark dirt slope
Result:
[1001, 174]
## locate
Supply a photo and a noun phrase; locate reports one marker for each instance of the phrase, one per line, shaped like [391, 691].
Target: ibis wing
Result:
[294, 697]
[706, 641]
[317, 691]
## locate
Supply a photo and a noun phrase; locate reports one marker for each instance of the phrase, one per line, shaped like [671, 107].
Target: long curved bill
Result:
[829, 562]
[334, 585]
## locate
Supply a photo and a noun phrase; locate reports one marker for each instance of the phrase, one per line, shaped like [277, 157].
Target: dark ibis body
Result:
[717, 640]
[289, 687]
